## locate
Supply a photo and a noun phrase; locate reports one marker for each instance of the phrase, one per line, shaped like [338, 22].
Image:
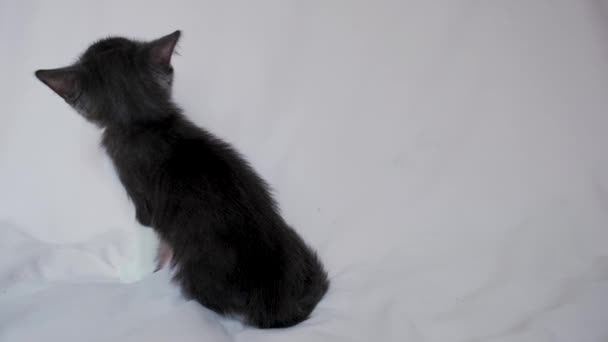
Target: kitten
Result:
[231, 249]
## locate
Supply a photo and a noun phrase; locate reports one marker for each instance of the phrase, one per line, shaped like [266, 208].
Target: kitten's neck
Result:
[121, 136]
[127, 115]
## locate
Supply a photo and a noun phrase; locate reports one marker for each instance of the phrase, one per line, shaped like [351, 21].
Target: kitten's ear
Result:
[63, 81]
[161, 49]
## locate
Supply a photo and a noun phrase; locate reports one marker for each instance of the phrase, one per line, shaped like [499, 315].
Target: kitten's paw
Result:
[164, 256]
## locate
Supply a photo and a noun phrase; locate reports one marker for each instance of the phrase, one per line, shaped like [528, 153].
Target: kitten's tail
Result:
[298, 309]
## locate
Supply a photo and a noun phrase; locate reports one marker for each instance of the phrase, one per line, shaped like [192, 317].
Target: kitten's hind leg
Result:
[164, 256]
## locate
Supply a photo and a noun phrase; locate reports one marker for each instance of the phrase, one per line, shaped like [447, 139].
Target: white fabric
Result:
[447, 159]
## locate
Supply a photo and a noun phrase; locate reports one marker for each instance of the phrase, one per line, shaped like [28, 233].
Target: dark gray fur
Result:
[233, 252]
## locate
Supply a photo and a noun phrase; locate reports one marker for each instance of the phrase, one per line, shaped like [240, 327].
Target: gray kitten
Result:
[232, 250]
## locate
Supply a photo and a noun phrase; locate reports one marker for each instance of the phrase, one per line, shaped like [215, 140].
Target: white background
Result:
[447, 159]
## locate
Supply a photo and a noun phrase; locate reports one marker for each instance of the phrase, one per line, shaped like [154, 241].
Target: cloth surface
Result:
[447, 160]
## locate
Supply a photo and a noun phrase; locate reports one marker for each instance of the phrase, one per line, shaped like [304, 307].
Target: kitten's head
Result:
[118, 81]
